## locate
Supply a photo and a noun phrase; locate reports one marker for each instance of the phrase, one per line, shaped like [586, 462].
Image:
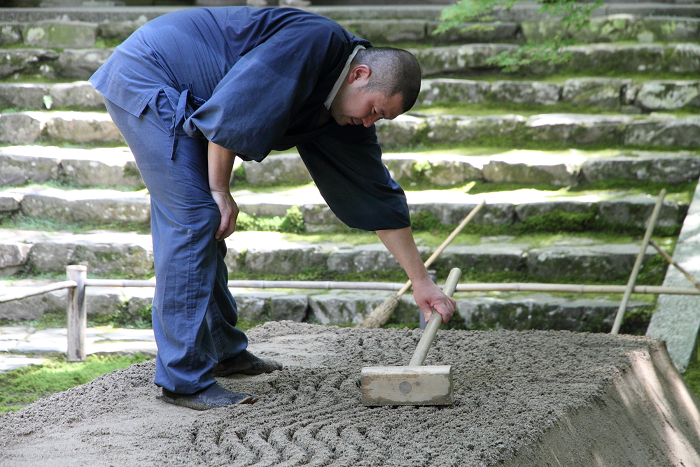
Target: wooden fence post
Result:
[77, 314]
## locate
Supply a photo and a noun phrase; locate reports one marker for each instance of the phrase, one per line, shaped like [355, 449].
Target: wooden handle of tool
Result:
[435, 321]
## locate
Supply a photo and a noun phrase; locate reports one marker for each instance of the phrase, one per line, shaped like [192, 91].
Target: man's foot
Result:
[209, 398]
[245, 363]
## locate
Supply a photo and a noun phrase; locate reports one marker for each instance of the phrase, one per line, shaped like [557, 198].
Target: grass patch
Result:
[21, 387]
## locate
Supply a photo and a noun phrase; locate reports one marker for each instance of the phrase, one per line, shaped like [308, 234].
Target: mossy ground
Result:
[23, 386]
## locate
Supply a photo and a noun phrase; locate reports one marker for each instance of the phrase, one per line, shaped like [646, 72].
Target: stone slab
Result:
[676, 320]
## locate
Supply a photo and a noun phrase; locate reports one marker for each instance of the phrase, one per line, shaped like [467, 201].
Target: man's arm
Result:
[426, 294]
[220, 162]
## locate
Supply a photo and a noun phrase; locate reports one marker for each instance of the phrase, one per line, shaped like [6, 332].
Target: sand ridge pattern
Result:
[510, 389]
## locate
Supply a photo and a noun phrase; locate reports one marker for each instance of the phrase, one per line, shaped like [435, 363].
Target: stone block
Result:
[18, 170]
[475, 33]
[13, 257]
[526, 92]
[373, 257]
[462, 58]
[404, 130]
[289, 307]
[119, 30]
[482, 258]
[32, 308]
[683, 58]
[101, 301]
[60, 34]
[575, 128]
[284, 260]
[622, 58]
[597, 92]
[78, 94]
[122, 260]
[9, 203]
[662, 168]
[82, 127]
[253, 306]
[343, 308]
[19, 128]
[387, 31]
[438, 169]
[10, 34]
[88, 206]
[456, 129]
[452, 90]
[525, 210]
[27, 61]
[668, 29]
[87, 173]
[453, 213]
[540, 311]
[22, 95]
[599, 262]
[636, 211]
[278, 168]
[681, 132]
[319, 218]
[80, 63]
[529, 168]
[668, 95]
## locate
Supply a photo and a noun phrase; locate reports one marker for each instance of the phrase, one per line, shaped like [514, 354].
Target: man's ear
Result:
[359, 73]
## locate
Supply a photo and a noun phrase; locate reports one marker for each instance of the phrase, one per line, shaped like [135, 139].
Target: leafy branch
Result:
[573, 15]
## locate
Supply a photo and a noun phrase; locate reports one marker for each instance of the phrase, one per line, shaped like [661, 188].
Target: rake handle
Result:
[433, 325]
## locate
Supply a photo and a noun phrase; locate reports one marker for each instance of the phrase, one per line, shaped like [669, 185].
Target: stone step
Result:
[115, 167]
[621, 58]
[660, 130]
[110, 207]
[657, 130]
[520, 11]
[682, 58]
[622, 94]
[501, 311]
[62, 33]
[619, 94]
[131, 255]
[563, 168]
[100, 167]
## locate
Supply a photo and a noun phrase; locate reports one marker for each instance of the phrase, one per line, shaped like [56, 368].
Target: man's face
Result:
[353, 105]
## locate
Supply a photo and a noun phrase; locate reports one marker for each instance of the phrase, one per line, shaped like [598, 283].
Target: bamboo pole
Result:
[382, 313]
[77, 314]
[39, 291]
[675, 264]
[638, 263]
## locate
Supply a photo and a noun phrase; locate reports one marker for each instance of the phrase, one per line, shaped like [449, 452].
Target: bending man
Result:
[192, 90]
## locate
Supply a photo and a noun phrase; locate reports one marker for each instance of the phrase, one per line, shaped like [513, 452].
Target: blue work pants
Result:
[194, 314]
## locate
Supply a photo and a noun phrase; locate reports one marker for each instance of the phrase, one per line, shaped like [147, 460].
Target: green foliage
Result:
[139, 319]
[23, 386]
[293, 221]
[574, 15]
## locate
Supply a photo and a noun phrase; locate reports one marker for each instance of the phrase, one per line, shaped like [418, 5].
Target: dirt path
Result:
[547, 397]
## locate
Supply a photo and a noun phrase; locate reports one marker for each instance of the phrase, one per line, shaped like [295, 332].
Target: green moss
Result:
[22, 222]
[23, 386]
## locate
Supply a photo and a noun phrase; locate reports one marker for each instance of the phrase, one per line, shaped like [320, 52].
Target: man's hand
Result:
[220, 162]
[229, 213]
[428, 295]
